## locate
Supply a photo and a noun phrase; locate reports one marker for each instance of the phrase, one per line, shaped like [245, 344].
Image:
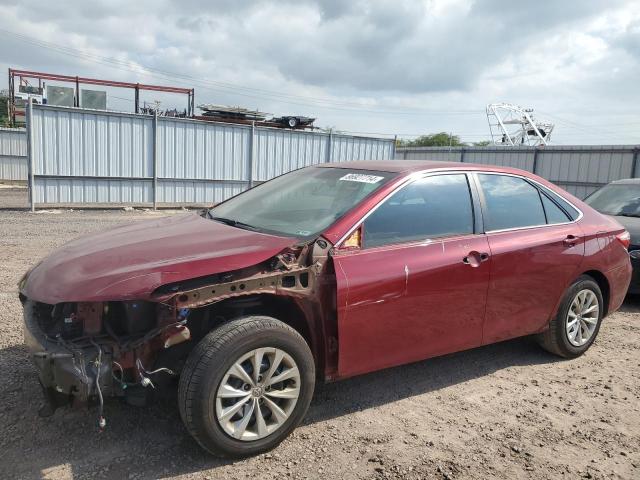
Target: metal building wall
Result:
[198, 162]
[84, 156]
[578, 169]
[279, 151]
[346, 148]
[582, 170]
[13, 154]
[435, 154]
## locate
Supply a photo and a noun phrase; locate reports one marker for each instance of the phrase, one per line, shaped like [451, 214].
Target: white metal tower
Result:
[512, 125]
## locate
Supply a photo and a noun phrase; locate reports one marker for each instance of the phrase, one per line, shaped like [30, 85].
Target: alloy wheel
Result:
[582, 318]
[257, 394]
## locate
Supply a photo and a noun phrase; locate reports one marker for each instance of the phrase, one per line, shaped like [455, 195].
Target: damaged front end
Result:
[87, 351]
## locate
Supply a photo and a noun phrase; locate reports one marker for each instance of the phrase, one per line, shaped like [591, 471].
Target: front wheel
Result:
[246, 386]
[577, 323]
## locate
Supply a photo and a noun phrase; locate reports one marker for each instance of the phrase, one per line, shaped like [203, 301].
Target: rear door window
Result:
[510, 202]
[432, 207]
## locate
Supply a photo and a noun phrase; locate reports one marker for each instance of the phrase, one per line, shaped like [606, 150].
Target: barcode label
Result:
[360, 177]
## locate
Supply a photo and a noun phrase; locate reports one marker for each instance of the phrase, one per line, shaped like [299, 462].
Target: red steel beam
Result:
[95, 81]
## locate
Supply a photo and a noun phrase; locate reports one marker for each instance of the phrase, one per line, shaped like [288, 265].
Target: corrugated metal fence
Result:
[96, 157]
[13, 154]
[108, 158]
[578, 169]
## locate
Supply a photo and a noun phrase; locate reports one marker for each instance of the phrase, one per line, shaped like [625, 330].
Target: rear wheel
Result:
[577, 323]
[246, 386]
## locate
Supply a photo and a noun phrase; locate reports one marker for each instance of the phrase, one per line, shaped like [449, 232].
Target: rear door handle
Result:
[570, 240]
[474, 258]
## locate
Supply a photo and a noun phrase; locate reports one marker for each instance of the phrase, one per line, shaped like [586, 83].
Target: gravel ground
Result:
[13, 196]
[503, 411]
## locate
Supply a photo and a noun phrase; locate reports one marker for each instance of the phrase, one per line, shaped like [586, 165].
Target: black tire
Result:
[555, 339]
[292, 122]
[209, 362]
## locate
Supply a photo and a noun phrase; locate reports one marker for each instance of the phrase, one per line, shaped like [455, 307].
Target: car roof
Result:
[408, 166]
[627, 181]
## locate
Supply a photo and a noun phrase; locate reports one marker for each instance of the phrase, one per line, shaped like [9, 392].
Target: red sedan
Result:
[323, 273]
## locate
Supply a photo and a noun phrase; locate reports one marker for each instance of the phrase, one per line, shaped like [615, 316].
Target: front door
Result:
[417, 286]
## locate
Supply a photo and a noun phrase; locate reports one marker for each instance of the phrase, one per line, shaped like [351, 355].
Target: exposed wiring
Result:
[121, 380]
[101, 420]
[132, 344]
[157, 370]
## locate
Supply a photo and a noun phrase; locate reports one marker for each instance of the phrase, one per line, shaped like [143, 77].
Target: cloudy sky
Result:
[390, 67]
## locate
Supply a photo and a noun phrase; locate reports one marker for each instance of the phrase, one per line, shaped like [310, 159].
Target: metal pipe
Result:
[12, 99]
[146, 179]
[251, 153]
[155, 159]
[534, 168]
[77, 99]
[30, 154]
[395, 142]
[525, 149]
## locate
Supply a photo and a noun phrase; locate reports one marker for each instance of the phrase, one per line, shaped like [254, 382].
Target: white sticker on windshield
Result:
[360, 177]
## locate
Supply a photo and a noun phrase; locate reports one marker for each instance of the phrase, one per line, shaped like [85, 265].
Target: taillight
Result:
[624, 238]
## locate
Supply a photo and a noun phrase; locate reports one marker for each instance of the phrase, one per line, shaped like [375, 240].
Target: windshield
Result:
[617, 199]
[301, 203]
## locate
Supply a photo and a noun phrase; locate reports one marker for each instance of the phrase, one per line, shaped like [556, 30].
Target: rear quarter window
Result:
[566, 206]
[554, 213]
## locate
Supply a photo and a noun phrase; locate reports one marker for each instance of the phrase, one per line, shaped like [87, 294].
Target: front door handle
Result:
[570, 240]
[474, 259]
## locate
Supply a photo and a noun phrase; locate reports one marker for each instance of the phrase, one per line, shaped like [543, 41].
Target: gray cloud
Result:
[630, 39]
[404, 54]
[402, 46]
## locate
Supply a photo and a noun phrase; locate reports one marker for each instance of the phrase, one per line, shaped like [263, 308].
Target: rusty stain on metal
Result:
[290, 277]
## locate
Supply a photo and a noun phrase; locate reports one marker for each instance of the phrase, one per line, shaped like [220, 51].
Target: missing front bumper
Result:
[66, 372]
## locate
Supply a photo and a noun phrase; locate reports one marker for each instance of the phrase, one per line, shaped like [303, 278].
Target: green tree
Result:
[4, 113]
[442, 139]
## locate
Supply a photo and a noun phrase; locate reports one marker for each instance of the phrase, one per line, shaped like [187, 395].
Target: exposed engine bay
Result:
[87, 351]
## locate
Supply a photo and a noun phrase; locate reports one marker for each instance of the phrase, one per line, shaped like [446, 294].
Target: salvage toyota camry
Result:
[323, 273]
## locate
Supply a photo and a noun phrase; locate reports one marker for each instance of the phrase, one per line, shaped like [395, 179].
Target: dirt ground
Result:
[504, 411]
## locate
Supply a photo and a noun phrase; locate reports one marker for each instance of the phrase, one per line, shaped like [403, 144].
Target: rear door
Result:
[417, 286]
[536, 249]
